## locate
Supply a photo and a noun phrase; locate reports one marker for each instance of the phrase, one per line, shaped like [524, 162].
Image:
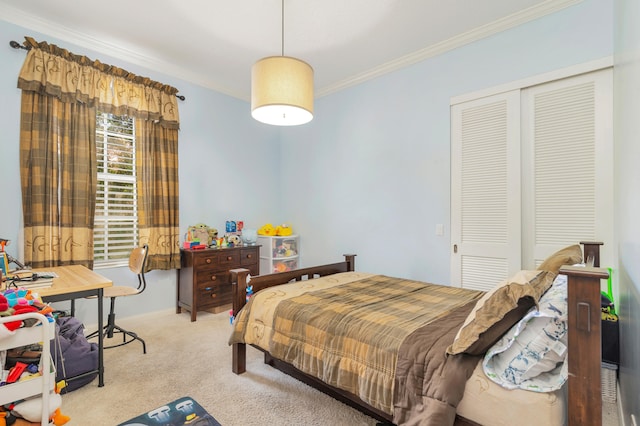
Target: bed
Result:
[408, 352]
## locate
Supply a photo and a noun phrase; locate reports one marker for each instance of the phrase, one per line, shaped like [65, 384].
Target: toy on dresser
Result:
[200, 236]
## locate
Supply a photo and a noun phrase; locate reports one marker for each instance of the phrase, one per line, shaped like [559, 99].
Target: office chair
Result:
[137, 260]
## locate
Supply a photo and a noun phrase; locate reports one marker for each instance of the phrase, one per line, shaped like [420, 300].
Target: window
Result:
[116, 221]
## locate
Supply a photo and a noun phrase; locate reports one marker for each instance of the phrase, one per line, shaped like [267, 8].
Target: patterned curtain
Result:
[158, 215]
[60, 95]
[58, 175]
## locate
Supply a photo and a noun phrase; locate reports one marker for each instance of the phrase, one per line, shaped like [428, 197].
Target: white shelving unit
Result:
[41, 332]
[279, 254]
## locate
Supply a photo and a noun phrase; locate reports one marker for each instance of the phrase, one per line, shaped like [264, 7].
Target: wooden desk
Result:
[74, 282]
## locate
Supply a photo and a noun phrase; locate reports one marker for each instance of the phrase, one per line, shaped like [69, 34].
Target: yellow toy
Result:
[283, 230]
[213, 235]
[267, 229]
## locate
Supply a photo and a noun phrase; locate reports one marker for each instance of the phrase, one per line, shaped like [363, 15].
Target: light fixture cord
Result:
[282, 54]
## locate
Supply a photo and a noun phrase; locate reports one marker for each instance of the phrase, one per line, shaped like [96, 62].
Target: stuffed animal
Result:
[234, 240]
[283, 230]
[31, 408]
[199, 232]
[267, 229]
[213, 235]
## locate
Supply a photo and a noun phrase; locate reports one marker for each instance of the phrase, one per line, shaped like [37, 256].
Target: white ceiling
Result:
[214, 43]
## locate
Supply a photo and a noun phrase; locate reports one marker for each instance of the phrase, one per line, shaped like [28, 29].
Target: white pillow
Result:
[532, 354]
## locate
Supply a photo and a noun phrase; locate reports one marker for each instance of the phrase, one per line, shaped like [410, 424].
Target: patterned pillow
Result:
[498, 310]
[531, 355]
[566, 256]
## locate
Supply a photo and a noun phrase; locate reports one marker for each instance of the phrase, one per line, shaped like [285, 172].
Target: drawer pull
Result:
[249, 256]
[213, 278]
[229, 258]
[213, 295]
[208, 260]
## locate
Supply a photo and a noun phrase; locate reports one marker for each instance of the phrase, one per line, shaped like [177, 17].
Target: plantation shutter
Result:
[116, 225]
[531, 172]
[485, 183]
[567, 167]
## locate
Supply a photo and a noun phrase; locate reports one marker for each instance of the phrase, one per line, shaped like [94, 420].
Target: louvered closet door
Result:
[567, 165]
[485, 190]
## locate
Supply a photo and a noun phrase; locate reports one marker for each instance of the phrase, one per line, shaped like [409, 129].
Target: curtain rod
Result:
[17, 45]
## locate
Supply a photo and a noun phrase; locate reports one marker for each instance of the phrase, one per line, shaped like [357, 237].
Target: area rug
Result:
[183, 411]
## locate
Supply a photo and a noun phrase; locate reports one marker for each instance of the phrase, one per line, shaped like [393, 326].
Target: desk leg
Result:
[100, 340]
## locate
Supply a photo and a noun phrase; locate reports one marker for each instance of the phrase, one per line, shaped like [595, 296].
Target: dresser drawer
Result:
[249, 256]
[204, 260]
[214, 295]
[204, 278]
[229, 260]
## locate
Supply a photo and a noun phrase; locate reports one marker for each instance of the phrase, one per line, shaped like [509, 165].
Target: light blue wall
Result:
[627, 196]
[370, 174]
[229, 165]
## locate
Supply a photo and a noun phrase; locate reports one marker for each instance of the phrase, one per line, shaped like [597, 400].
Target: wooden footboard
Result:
[585, 351]
[239, 291]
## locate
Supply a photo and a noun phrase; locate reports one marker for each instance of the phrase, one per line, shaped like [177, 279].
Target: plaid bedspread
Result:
[350, 335]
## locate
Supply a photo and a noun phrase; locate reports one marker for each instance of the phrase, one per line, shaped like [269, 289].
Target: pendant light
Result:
[282, 89]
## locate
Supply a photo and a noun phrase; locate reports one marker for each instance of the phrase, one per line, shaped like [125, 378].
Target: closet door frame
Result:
[524, 257]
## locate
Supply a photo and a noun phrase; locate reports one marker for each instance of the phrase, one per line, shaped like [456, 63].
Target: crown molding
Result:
[15, 16]
[513, 20]
[18, 17]
[534, 80]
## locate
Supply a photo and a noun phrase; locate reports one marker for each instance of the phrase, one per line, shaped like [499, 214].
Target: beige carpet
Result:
[193, 359]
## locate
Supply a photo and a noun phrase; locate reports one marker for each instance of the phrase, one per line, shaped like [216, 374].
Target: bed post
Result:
[239, 294]
[351, 262]
[585, 350]
[592, 250]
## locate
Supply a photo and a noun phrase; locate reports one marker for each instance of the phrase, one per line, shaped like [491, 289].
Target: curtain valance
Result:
[74, 78]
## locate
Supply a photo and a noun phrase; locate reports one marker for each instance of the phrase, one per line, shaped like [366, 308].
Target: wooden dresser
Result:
[204, 281]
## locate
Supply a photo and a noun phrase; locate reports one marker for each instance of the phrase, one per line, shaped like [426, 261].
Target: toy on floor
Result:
[58, 418]
[30, 409]
[7, 419]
